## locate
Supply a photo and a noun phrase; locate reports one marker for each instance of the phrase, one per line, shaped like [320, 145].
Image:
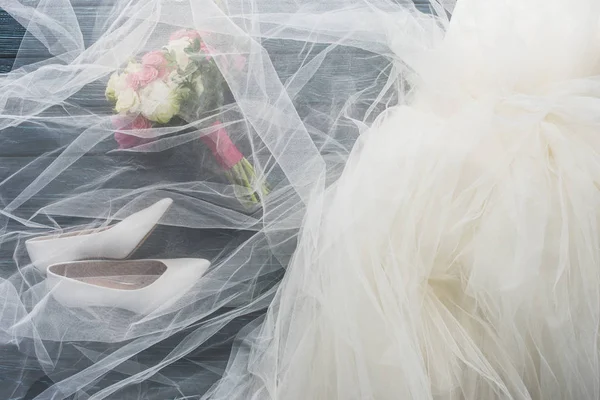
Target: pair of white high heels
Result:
[88, 268]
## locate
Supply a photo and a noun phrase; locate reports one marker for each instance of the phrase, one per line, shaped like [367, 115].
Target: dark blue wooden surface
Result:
[20, 375]
[10, 38]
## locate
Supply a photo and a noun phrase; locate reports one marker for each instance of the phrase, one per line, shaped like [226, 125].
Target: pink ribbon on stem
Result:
[225, 152]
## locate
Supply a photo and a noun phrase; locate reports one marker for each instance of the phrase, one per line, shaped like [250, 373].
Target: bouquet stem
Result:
[238, 169]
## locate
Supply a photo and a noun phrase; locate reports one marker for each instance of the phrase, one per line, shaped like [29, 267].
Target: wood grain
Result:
[32, 148]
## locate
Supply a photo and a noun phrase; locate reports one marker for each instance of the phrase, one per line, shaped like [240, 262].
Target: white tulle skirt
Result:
[434, 202]
[458, 255]
[453, 259]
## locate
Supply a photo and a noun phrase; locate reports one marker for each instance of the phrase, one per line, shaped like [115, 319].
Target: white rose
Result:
[165, 111]
[133, 67]
[128, 101]
[177, 48]
[116, 84]
[159, 102]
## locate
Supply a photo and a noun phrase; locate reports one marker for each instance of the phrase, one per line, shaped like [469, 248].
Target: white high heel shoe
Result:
[118, 241]
[140, 286]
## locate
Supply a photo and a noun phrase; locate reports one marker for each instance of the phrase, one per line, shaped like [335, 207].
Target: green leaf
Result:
[171, 59]
[184, 93]
[196, 45]
[190, 69]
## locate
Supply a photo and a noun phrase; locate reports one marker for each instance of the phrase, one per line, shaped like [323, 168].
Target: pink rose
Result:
[140, 122]
[142, 78]
[125, 140]
[154, 59]
[204, 49]
[239, 62]
[133, 81]
[185, 33]
[157, 60]
[147, 75]
[236, 62]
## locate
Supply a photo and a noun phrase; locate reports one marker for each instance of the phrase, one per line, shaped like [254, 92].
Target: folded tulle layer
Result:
[293, 109]
[472, 276]
[432, 199]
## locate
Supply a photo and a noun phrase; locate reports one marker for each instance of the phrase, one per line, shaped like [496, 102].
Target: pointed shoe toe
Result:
[117, 241]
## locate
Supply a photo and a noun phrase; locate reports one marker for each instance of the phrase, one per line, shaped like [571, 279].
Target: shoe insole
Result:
[121, 282]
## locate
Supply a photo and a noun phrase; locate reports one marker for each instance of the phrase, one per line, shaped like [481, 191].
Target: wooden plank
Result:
[23, 145]
[21, 377]
[11, 33]
[6, 65]
[137, 170]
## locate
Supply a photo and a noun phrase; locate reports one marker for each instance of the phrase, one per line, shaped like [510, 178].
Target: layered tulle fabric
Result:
[430, 229]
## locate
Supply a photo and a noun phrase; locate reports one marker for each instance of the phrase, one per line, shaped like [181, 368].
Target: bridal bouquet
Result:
[178, 83]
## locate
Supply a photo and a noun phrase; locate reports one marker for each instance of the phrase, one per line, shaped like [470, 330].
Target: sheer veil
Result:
[423, 221]
[317, 74]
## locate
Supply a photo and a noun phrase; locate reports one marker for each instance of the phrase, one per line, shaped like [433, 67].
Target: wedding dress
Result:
[434, 203]
[457, 256]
